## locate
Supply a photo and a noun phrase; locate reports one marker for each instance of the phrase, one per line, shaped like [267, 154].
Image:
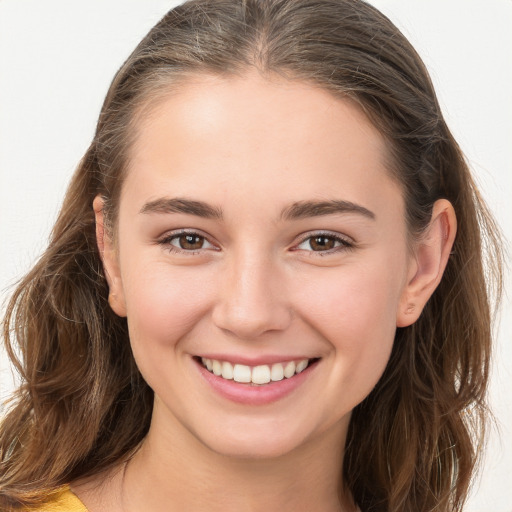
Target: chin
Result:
[255, 449]
[263, 440]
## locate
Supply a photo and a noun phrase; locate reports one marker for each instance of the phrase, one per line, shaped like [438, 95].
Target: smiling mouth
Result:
[256, 375]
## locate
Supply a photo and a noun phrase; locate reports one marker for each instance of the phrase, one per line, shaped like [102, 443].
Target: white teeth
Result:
[242, 373]
[301, 366]
[208, 363]
[289, 370]
[227, 370]
[277, 372]
[262, 374]
[217, 367]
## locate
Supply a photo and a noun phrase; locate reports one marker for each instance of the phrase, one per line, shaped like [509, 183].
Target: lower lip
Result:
[255, 394]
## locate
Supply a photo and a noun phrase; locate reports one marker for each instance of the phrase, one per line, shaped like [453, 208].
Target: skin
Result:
[251, 147]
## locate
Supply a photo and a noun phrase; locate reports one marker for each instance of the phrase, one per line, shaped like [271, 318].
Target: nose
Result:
[252, 298]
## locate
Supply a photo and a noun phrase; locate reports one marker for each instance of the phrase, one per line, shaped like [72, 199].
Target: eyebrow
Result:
[304, 209]
[182, 205]
[297, 210]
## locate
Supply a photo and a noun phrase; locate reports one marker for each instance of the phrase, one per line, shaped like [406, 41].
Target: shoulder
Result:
[62, 501]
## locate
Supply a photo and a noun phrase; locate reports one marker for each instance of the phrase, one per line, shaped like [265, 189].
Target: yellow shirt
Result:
[65, 501]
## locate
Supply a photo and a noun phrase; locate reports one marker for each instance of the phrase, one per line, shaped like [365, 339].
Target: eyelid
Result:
[165, 240]
[346, 242]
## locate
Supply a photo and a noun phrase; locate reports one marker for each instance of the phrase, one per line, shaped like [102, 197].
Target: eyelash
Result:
[344, 243]
[166, 242]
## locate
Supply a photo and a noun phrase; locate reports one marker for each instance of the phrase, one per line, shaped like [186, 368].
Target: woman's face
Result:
[258, 227]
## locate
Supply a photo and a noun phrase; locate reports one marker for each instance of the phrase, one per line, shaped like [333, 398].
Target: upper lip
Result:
[255, 361]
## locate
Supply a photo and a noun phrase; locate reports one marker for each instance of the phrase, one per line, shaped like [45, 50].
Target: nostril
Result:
[251, 324]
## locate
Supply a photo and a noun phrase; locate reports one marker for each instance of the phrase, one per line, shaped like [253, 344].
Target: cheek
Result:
[355, 313]
[164, 303]
[353, 300]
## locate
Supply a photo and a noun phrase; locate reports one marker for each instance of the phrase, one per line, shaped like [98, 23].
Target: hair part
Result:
[76, 365]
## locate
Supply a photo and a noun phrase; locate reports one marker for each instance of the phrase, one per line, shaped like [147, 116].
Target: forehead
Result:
[276, 137]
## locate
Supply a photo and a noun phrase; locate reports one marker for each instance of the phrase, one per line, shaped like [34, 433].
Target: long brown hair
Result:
[84, 407]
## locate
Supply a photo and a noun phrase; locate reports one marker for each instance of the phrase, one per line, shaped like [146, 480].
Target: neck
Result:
[173, 467]
[173, 470]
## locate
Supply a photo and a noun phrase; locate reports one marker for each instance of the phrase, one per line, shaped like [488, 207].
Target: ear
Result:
[108, 255]
[428, 263]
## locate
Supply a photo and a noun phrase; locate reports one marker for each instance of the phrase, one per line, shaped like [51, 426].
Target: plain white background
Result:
[57, 58]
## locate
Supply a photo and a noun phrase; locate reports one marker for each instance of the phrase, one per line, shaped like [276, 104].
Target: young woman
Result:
[265, 288]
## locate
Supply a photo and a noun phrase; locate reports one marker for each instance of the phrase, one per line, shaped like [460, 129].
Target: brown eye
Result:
[325, 242]
[322, 243]
[189, 242]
